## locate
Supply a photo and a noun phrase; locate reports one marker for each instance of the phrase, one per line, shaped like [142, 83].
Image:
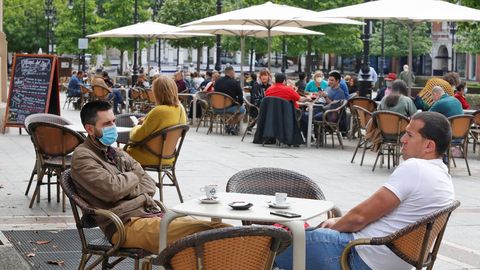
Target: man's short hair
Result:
[335, 74]
[209, 73]
[228, 69]
[99, 71]
[400, 86]
[436, 128]
[88, 115]
[280, 77]
[301, 75]
[80, 72]
[438, 90]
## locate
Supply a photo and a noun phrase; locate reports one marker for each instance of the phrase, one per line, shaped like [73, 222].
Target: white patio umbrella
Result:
[269, 15]
[407, 11]
[247, 31]
[146, 30]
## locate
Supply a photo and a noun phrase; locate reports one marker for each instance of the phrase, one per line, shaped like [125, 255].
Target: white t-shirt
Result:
[422, 186]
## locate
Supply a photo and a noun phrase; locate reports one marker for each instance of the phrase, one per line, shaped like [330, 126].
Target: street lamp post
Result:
[50, 16]
[453, 30]
[156, 8]
[219, 40]
[84, 31]
[135, 48]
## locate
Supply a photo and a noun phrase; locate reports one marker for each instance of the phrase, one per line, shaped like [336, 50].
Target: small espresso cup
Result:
[210, 191]
[280, 198]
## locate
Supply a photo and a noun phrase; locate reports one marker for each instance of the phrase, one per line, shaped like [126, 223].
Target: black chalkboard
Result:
[33, 88]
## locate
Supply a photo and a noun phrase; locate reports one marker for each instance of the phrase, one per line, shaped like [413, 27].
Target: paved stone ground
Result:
[212, 159]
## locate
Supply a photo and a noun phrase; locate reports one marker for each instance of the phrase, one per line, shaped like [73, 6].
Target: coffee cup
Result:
[280, 198]
[210, 191]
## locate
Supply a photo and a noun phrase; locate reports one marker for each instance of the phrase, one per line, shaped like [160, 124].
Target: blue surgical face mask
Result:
[109, 135]
[466, 90]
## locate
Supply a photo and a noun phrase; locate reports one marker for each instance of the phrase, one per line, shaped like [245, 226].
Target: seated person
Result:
[168, 111]
[259, 87]
[99, 80]
[73, 88]
[444, 103]
[388, 87]
[317, 83]
[208, 78]
[398, 100]
[142, 82]
[329, 98]
[108, 178]
[228, 85]
[418, 187]
[448, 82]
[301, 84]
[279, 89]
[352, 83]
[210, 86]
[460, 95]
[182, 85]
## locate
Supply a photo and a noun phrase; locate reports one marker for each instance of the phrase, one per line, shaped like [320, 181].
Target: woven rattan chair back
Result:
[417, 244]
[100, 92]
[391, 124]
[364, 116]
[476, 118]
[246, 248]
[45, 117]
[460, 125]
[150, 96]
[54, 140]
[219, 101]
[362, 102]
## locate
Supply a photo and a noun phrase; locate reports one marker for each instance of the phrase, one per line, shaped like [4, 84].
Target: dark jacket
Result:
[230, 87]
[258, 93]
[277, 120]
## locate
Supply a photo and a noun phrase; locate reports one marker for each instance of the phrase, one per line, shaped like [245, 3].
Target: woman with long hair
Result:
[168, 111]
[398, 100]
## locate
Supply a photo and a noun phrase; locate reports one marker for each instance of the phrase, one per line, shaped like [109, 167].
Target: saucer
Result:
[209, 201]
[240, 205]
[279, 206]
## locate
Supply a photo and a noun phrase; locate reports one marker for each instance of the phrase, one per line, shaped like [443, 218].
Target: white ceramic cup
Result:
[280, 198]
[210, 191]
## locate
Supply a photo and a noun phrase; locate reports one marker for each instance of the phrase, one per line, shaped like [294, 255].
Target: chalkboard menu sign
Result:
[33, 88]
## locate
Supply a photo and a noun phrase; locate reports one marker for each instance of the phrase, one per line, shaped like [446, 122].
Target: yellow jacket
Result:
[160, 117]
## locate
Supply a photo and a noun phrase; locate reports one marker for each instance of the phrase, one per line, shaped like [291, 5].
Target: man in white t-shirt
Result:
[418, 187]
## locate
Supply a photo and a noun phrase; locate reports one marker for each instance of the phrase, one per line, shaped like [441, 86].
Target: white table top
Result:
[81, 129]
[258, 212]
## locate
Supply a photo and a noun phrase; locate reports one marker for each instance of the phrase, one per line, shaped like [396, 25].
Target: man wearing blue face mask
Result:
[108, 178]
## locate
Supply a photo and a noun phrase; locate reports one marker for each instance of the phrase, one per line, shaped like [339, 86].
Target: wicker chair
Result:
[165, 144]
[392, 126]
[361, 102]
[218, 103]
[417, 244]
[460, 125]
[202, 99]
[475, 131]
[268, 181]
[330, 123]
[252, 112]
[85, 219]
[101, 93]
[246, 248]
[53, 145]
[124, 120]
[363, 117]
[42, 117]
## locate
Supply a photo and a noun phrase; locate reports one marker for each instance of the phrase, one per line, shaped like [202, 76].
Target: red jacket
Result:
[282, 91]
[462, 100]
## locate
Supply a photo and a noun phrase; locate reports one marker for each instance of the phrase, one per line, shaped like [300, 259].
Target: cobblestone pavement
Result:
[212, 159]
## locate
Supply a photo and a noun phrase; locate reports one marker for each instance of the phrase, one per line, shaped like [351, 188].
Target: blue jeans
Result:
[231, 109]
[324, 251]
[117, 98]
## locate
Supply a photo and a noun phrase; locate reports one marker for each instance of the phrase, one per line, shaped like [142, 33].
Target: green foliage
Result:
[468, 35]
[177, 12]
[69, 28]
[396, 39]
[25, 25]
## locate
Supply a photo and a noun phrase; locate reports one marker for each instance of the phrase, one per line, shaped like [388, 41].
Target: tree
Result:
[25, 25]
[69, 28]
[183, 11]
[468, 35]
[396, 39]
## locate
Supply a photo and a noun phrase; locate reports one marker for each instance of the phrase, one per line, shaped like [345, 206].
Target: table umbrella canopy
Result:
[146, 30]
[407, 11]
[270, 15]
[247, 31]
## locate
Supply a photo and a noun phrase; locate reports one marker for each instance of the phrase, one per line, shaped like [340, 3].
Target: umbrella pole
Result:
[242, 55]
[269, 47]
[410, 53]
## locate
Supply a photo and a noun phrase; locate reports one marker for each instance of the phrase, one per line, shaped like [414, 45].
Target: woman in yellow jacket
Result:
[168, 111]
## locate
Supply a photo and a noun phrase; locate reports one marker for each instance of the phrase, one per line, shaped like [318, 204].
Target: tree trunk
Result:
[308, 59]
[299, 64]
[121, 61]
